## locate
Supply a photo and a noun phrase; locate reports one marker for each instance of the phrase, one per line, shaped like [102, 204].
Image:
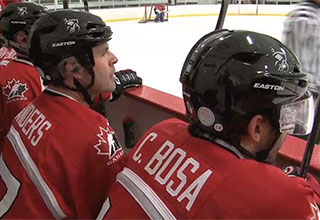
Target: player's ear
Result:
[255, 127]
[254, 132]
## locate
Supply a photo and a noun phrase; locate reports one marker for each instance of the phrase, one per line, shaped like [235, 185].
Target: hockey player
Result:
[7, 53]
[243, 93]
[60, 156]
[159, 10]
[301, 35]
[20, 81]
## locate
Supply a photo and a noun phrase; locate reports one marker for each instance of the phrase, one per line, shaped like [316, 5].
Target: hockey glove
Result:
[310, 180]
[125, 79]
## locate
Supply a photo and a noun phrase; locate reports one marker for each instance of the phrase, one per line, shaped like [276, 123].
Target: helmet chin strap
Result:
[264, 155]
[84, 90]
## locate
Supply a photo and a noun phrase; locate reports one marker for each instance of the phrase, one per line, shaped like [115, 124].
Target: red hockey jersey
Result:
[59, 160]
[20, 83]
[172, 175]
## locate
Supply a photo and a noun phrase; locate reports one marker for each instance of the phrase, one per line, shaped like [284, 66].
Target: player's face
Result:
[21, 38]
[104, 69]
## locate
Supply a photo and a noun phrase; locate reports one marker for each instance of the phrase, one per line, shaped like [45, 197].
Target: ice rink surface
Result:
[157, 51]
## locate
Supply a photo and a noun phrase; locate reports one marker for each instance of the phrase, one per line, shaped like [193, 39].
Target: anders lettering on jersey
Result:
[33, 124]
[180, 181]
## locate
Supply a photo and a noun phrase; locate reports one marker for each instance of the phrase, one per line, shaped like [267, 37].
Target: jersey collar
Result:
[57, 93]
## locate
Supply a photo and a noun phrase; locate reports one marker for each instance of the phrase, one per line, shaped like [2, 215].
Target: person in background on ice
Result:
[159, 10]
[241, 102]
[301, 34]
[60, 157]
[20, 81]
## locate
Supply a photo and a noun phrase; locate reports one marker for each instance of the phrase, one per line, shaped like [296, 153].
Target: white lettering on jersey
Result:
[32, 123]
[137, 155]
[161, 163]
[115, 158]
[158, 177]
[195, 187]
[159, 157]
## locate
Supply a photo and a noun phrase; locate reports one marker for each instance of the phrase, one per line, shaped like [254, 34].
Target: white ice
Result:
[157, 50]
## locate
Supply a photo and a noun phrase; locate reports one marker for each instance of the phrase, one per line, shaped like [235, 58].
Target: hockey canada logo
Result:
[72, 25]
[108, 144]
[15, 90]
[281, 60]
[22, 11]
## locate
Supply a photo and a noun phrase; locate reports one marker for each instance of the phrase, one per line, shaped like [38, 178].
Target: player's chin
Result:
[111, 87]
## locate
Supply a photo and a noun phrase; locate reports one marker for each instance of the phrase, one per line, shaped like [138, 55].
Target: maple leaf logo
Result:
[107, 137]
[14, 89]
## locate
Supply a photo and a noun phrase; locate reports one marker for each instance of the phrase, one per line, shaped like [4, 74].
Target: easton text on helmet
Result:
[62, 44]
[268, 86]
[18, 22]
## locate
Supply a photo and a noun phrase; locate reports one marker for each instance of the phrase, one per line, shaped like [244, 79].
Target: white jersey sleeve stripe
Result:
[105, 208]
[144, 195]
[12, 185]
[34, 174]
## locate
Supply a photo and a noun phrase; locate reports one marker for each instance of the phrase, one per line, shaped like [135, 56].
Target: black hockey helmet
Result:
[62, 34]
[229, 76]
[18, 17]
